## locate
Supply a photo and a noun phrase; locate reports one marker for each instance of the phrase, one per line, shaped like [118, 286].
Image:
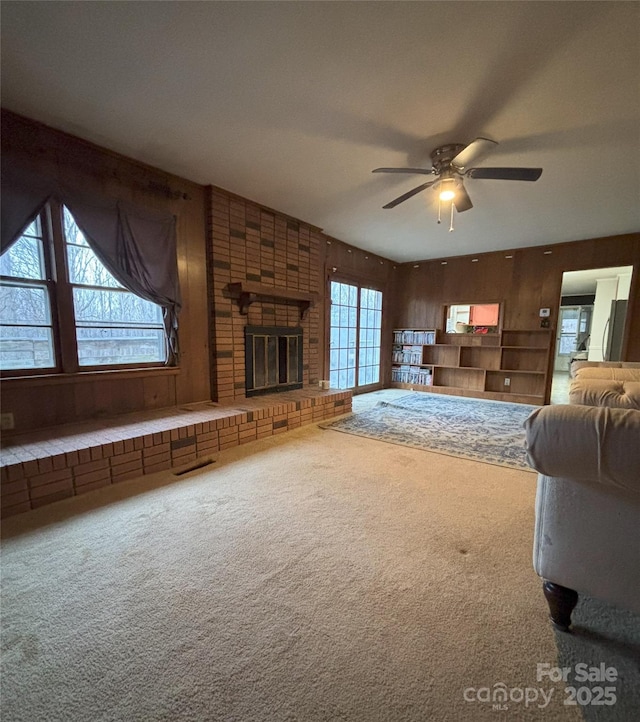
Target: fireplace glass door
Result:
[356, 321]
[273, 358]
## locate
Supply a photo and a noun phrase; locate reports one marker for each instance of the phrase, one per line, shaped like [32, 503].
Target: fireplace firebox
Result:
[273, 359]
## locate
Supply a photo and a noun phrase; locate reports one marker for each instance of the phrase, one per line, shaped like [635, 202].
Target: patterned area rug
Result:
[487, 431]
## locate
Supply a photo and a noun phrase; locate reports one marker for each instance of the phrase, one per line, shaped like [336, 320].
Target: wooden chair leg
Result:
[562, 602]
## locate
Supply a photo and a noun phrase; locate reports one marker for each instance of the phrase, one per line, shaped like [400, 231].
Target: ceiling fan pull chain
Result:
[451, 223]
[439, 206]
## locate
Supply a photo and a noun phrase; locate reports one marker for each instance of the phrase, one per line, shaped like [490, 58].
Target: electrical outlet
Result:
[7, 422]
[507, 382]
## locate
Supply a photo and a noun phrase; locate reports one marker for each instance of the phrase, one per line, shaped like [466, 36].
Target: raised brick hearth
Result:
[46, 466]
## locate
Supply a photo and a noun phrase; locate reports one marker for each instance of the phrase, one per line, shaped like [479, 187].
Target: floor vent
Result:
[198, 464]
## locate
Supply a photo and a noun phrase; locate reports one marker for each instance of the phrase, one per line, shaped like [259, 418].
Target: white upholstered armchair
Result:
[587, 535]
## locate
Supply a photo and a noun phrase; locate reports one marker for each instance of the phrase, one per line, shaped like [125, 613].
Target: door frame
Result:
[359, 282]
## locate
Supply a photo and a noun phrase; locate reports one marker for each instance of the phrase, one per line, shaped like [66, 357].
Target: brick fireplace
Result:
[266, 271]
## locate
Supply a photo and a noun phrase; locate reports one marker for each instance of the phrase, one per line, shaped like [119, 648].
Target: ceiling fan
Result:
[450, 163]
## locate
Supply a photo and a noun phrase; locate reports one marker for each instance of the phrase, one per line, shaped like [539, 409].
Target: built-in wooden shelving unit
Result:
[507, 366]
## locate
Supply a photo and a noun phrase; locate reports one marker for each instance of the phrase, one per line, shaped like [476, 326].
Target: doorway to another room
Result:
[591, 321]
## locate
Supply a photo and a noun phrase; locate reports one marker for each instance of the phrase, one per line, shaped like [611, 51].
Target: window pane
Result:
[23, 259]
[72, 233]
[87, 269]
[26, 334]
[370, 318]
[112, 326]
[114, 307]
[344, 317]
[108, 346]
[26, 347]
[34, 228]
[24, 305]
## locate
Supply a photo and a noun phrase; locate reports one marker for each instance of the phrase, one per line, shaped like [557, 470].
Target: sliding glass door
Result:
[354, 348]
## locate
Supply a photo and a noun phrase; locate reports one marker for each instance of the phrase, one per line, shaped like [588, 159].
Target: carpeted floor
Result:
[312, 576]
[487, 431]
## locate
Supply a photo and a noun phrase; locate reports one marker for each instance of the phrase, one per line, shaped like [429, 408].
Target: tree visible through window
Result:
[110, 325]
[113, 325]
[25, 309]
[354, 345]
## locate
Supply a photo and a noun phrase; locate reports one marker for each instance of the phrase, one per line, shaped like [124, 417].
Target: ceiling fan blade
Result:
[461, 201]
[422, 171]
[475, 150]
[409, 194]
[519, 174]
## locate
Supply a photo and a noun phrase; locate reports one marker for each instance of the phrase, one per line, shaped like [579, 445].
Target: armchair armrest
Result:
[593, 444]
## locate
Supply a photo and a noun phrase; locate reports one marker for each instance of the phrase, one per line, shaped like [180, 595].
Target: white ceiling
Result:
[585, 282]
[292, 104]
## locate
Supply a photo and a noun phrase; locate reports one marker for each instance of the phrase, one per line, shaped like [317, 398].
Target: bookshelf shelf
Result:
[507, 366]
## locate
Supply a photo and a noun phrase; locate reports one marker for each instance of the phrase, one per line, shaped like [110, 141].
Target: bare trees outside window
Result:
[355, 336]
[25, 304]
[61, 309]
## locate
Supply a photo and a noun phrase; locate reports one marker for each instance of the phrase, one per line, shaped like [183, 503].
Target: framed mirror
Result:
[473, 318]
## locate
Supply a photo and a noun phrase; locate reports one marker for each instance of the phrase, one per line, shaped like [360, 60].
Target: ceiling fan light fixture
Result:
[450, 163]
[447, 189]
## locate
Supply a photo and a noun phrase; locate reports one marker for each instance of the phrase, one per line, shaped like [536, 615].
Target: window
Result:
[370, 332]
[356, 321]
[25, 304]
[61, 309]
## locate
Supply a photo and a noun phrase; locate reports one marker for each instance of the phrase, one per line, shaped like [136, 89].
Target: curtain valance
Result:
[137, 245]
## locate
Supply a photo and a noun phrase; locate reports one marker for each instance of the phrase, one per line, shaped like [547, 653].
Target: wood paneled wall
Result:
[524, 279]
[223, 238]
[47, 401]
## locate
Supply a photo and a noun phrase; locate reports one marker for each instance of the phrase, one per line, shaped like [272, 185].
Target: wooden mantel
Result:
[246, 292]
